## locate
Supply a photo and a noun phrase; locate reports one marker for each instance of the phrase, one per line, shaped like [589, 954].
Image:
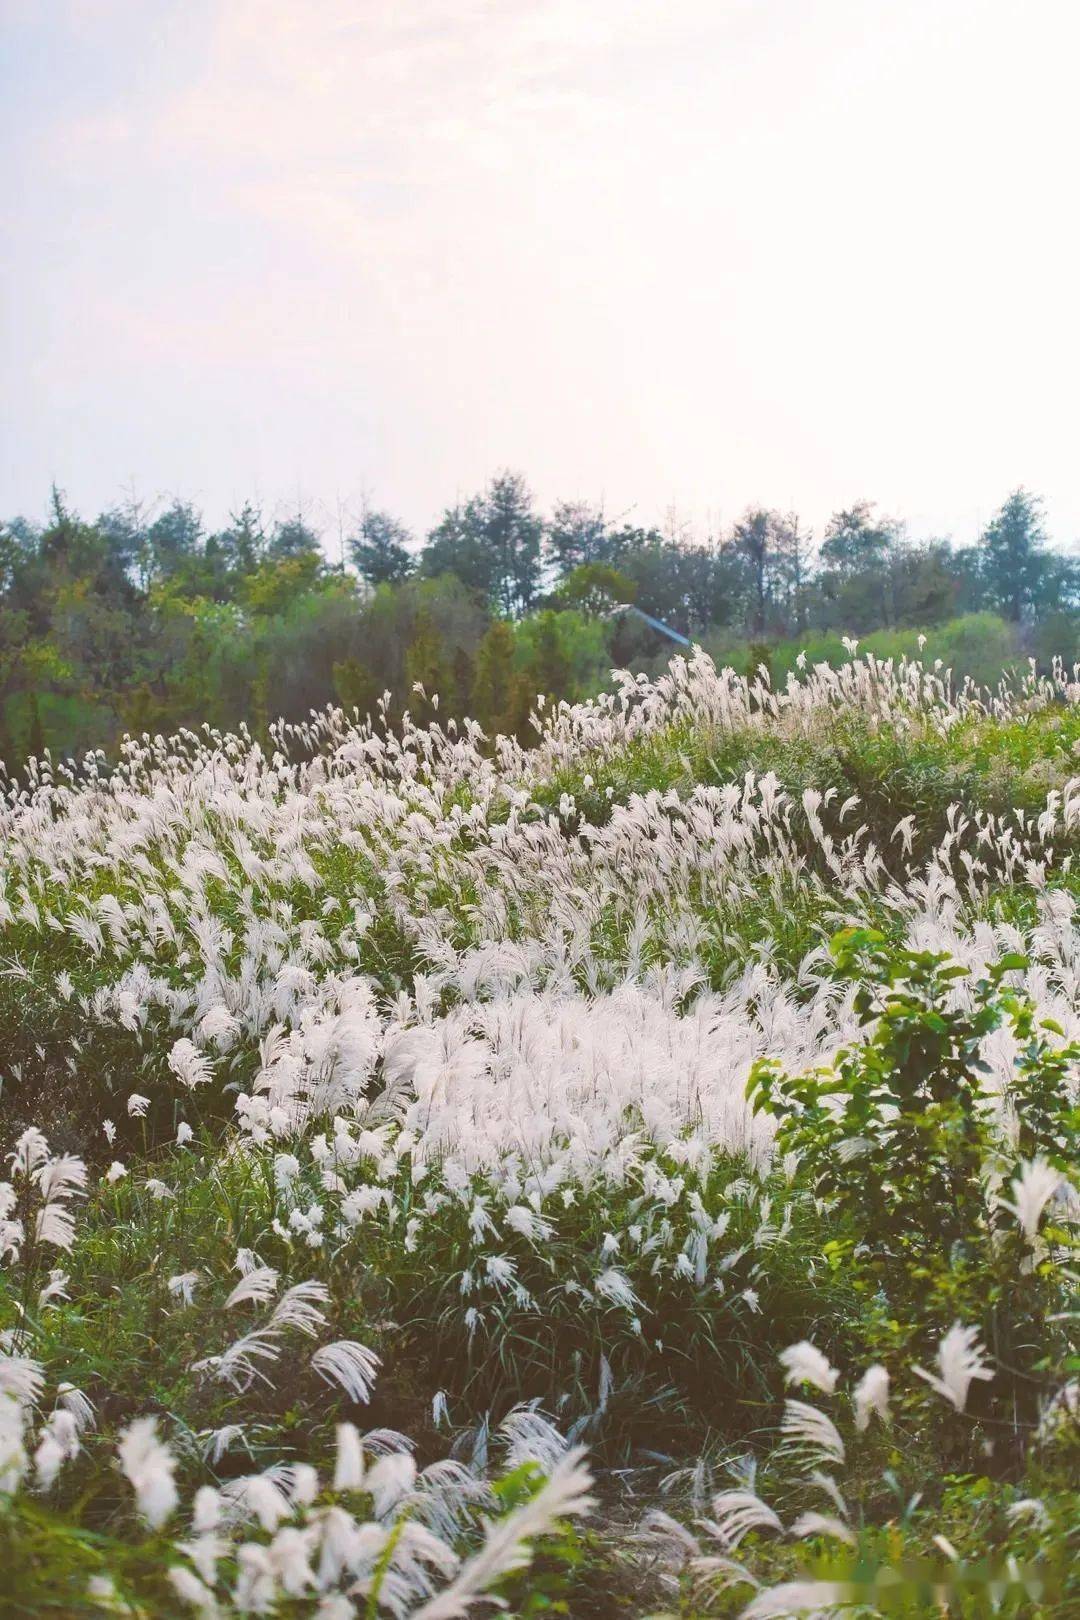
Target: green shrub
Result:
[900, 1140]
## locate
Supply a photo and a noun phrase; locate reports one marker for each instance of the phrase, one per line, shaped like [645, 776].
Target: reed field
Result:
[629, 1175]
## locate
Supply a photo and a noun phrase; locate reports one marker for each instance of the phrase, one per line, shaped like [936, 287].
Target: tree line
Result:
[146, 619]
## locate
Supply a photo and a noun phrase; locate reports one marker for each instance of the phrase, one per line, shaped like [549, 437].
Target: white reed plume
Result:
[300, 1308]
[871, 1396]
[350, 1365]
[258, 1285]
[736, 1513]
[1032, 1190]
[961, 1359]
[149, 1466]
[804, 1427]
[349, 1467]
[508, 1542]
[803, 1363]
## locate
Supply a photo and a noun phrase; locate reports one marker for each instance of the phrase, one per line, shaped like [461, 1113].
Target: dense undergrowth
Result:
[517, 1107]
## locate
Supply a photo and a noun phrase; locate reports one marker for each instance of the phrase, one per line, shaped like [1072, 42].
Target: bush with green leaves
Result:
[937, 1186]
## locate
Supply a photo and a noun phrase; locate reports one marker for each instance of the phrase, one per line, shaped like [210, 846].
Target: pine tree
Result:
[380, 549]
[492, 544]
[493, 688]
[35, 734]
[356, 687]
[425, 666]
[1012, 560]
[576, 537]
[514, 532]
[464, 674]
[549, 667]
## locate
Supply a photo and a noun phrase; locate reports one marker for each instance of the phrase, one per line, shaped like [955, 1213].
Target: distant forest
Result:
[145, 620]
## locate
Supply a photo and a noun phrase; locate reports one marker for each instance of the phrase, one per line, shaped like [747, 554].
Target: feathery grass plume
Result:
[59, 1443]
[804, 1427]
[258, 1285]
[78, 1404]
[485, 1017]
[149, 1465]
[349, 1467]
[735, 1513]
[193, 1592]
[21, 1377]
[508, 1542]
[238, 1364]
[531, 1437]
[61, 1177]
[13, 1458]
[871, 1394]
[961, 1359]
[388, 1480]
[823, 1524]
[817, 1598]
[615, 1286]
[1032, 1190]
[183, 1285]
[54, 1290]
[803, 1363]
[215, 1443]
[300, 1308]
[190, 1066]
[350, 1365]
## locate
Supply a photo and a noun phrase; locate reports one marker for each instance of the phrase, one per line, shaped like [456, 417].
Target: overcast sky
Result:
[697, 253]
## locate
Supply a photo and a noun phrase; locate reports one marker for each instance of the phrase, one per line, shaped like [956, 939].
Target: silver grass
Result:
[351, 1366]
[804, 1427]
[507, 1543]
[735, 1513]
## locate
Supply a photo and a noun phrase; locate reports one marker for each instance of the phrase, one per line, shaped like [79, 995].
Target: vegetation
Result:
[144, 622]
[626, 1171]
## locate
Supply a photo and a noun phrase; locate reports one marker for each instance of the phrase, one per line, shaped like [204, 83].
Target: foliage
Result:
[901, 1141]
[596, 588]
[145, 620]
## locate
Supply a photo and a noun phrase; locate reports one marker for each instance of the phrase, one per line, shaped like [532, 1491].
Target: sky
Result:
[674, 256]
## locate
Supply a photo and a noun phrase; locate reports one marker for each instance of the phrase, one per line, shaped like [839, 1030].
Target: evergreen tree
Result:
[658, 570]
[425, 666]
[458, 546]
[174, 539]
[493, 689]
[856, 540]
[596, 588]
[576, 537]
[242, 542]
[35, 733]
[492, 544]
[858, 553]
[380, 549]
[549, 667]
[292, 537]
[123, 533]
[355, 686]
[793, 567]
[463, 676]
[514, 532]
[754, 542]
[1012, 555]
[59, 535]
